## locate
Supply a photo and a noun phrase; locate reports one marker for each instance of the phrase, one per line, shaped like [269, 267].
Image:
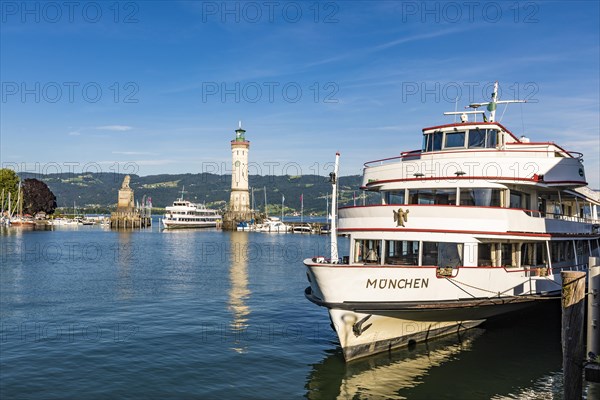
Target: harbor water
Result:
[93, 313]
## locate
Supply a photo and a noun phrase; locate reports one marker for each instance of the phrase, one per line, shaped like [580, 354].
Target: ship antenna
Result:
[455, 108]
[491, 106]
[522, 120]
[333, 177]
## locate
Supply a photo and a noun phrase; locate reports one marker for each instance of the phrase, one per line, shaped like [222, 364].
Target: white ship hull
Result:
[392, 307]
[169, 224]
[382, 333]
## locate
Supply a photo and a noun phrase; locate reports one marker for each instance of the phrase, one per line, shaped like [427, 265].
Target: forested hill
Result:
[99, 190]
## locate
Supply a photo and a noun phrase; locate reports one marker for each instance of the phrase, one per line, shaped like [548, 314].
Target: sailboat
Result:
[271, 224]
[19, 219]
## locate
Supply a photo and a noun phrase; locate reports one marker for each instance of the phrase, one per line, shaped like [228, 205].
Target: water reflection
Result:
[124, 257]
[515, 357]
[384, 375]
[238, 292]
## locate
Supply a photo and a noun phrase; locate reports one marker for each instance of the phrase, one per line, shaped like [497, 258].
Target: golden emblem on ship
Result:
[400, 217]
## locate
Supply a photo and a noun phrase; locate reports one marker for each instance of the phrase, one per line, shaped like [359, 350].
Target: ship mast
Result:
[333, 180]
[491, 107]
[493, 104]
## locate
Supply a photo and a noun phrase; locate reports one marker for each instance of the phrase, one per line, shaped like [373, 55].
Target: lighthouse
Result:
[239, 200]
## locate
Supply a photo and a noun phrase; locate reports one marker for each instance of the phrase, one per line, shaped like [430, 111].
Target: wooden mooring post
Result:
[592, 369]
[573, 309]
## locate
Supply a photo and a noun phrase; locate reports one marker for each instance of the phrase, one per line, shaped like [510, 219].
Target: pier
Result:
[135, 220]
[580, 357]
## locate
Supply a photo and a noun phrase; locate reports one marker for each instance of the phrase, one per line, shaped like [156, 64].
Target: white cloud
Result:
[116, 128]
[134, 153]
[139, 162]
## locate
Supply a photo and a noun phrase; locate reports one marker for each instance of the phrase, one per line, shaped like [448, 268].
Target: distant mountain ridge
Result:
[101, 189]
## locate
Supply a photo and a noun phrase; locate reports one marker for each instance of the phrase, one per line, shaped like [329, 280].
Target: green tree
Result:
[37, 197]
[9, 182]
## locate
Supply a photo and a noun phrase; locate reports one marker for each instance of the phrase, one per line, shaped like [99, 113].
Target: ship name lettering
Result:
[415, 283]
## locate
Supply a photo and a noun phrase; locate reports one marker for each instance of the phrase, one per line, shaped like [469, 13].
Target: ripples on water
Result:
[209, 314]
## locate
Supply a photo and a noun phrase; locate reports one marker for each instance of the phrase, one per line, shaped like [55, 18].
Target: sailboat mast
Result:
[266, 212]
[8, 204]
[20, 199]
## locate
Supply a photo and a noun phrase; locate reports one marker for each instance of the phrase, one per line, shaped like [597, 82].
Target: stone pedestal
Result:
[232, 218]
[125, 201]
[127, 216]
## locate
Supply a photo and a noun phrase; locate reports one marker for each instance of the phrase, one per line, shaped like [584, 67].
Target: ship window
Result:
[581, 250]
[594, 248]
[484, 254]
[519, 199]
[394, 197]
[432, 196]
[432, 141]
[367, 251]
[491, 138]
[533, 254]
[443, 254]
[437, 141]
[402, 252]
[480, 197]
[507, 259]
[454, 139]
[561, 251]
[477, 138]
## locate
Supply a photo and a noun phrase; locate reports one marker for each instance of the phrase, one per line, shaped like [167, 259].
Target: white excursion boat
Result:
[183, 214]
[475, 224]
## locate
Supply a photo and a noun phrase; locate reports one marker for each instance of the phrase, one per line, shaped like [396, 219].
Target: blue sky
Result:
[156, 87]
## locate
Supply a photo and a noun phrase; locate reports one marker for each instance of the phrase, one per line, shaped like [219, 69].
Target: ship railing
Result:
[416, 154]
[541, 214]
[551, 146]
[404, 155]
[573, 218]
[572, 267]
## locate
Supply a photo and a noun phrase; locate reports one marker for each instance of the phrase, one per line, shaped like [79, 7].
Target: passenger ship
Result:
[476, 223]
[183, 214]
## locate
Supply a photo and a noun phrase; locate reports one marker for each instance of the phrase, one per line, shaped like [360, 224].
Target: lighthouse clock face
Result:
[237, 163]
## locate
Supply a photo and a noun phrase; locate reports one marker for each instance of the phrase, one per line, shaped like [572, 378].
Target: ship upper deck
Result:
[475, 151]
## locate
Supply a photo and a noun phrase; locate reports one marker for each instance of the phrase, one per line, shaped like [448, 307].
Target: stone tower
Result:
[239, 201]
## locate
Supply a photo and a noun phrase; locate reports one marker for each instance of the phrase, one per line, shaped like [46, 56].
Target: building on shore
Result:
[239, 202]
[127, 215]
